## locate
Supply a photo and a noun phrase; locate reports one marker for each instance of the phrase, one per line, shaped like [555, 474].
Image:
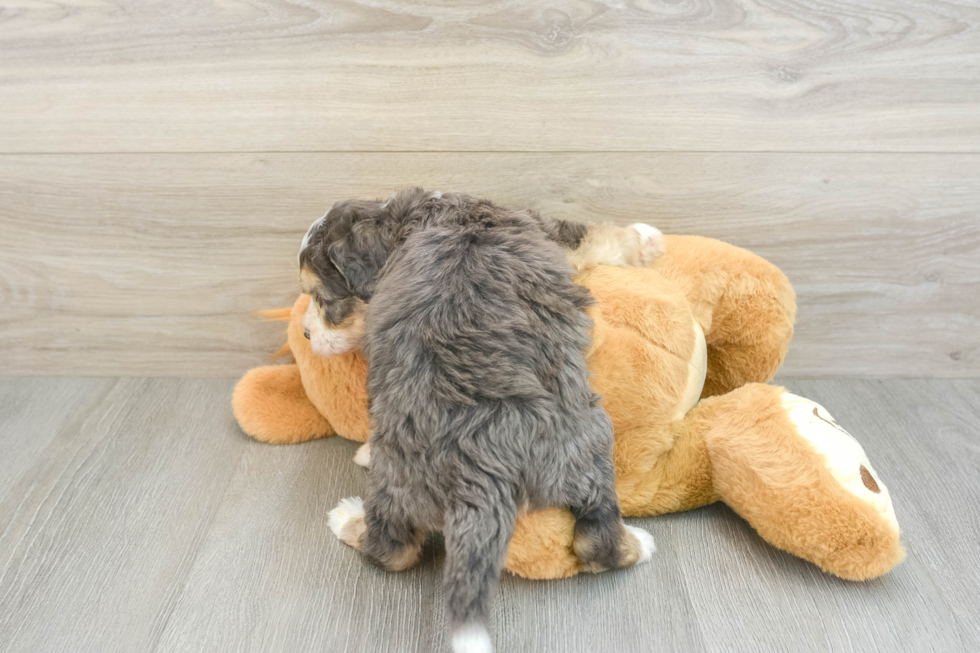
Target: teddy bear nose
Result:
[306, 332]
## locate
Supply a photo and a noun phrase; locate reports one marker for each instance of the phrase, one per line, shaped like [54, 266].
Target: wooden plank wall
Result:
[159, 162]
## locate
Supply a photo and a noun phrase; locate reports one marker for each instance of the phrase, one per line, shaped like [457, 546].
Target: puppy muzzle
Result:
[326, 340]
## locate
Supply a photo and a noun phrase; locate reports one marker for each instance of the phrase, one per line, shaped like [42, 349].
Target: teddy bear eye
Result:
[869, 480]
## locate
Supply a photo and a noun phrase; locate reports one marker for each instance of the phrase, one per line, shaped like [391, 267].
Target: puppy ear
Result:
[359, 257]
[567, 234]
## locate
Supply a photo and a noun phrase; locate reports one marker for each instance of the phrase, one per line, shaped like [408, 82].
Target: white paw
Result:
[363, 455]
[647, 545]
[348, 509]
[471, 638]
[651, 242]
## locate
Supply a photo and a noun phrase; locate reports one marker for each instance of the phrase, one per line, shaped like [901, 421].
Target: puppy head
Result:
[339, 259]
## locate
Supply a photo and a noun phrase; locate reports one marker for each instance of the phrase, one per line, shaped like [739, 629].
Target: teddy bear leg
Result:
[542, 545]
[676, 477]
[802, 481]
[271, 406]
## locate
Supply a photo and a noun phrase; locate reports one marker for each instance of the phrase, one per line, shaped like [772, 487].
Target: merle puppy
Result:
[475, 336]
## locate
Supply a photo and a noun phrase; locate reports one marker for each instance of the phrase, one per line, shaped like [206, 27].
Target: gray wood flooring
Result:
[135, 516]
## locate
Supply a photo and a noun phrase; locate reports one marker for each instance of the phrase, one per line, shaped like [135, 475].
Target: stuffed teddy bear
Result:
[681, 354]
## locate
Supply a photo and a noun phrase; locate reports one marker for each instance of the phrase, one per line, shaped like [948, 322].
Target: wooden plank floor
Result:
[135, 516]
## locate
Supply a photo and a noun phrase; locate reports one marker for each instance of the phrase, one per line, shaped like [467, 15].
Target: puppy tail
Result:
[477, 532]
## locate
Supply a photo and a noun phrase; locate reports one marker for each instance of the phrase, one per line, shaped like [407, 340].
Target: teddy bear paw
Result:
[651, 243]
[347, 521]
[647, 545]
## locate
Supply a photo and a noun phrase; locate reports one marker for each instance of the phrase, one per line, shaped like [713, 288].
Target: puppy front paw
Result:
[363, 455]
[651, 243]
[347, 521]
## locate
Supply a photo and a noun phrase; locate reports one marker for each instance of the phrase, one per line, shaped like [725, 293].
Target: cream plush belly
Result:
[697, 371]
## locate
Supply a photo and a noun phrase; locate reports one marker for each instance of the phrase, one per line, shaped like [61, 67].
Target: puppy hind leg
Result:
[602, 541]
[477, 533]
[391, 540]
[374, 528]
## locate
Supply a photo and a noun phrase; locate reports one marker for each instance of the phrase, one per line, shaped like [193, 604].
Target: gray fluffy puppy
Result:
[475, 337]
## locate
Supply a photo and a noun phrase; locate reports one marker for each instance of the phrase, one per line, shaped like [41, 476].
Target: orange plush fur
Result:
[685, 436]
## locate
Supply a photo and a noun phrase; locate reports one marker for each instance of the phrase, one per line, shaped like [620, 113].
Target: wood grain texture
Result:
[28, 424]
[924, 433]
[152, 264]
[507, 75]
[98, 533]
[274, 578]
[787, 604]
[148, 523]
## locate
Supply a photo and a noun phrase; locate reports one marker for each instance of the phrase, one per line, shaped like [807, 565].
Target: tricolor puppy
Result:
[334, 320]
[475, 337]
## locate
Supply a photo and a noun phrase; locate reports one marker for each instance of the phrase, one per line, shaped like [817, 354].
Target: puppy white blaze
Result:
[647, 545]
[309, 233]
[471, 638]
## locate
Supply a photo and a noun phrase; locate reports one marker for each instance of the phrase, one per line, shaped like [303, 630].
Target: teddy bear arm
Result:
[271, 406]
[744, 303]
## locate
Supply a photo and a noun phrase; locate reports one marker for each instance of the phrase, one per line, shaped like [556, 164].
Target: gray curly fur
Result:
[475, 339]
